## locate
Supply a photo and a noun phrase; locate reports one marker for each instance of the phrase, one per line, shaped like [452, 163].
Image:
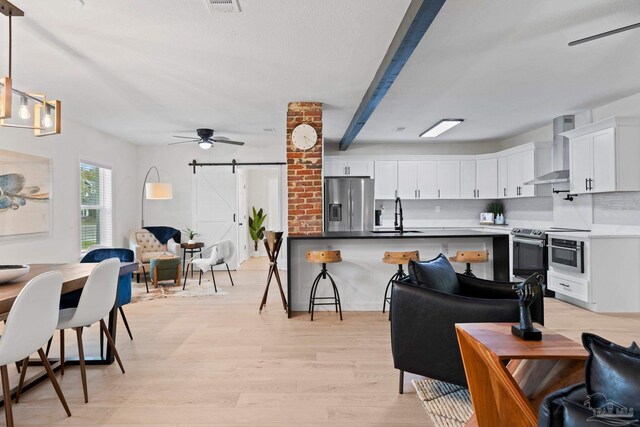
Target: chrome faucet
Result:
[399, 227]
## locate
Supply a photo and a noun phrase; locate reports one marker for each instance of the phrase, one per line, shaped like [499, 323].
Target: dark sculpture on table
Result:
[527, 292]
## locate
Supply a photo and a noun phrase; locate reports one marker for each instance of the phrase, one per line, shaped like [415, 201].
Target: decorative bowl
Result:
[12, 272]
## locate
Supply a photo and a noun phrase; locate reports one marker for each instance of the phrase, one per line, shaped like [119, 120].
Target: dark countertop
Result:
[421, 234]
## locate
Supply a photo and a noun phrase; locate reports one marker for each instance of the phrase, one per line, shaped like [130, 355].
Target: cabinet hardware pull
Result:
[505, 192]
[564, 286]
[438, 194]
[478, 191]
[590, 184]
[586, 184]
[419, 195]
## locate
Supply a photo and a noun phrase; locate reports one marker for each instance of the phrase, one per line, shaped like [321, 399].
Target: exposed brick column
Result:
[304, 171]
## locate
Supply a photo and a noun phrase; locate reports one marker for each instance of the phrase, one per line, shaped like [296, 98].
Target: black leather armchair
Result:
[423, 337]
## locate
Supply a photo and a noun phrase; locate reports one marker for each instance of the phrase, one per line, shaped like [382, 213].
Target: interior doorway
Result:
[262, 188]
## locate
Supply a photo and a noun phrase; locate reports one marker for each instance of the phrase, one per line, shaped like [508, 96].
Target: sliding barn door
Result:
[215, 202]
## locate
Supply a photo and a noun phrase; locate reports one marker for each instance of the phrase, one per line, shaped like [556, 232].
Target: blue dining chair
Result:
[71, 299]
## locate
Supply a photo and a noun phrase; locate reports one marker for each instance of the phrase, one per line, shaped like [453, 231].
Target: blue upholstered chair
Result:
[124, 282]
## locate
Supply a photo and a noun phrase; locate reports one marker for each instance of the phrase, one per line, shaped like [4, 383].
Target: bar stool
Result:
[470, 257]
[324, 258]
[399, 259]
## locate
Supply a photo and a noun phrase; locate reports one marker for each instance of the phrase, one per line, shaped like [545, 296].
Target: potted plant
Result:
[497, 209]
[256, 230]
[191, 234]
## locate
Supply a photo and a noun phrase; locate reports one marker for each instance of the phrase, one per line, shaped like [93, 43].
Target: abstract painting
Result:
[25, 194]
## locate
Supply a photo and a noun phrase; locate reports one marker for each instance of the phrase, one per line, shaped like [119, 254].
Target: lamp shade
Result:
[158, 191]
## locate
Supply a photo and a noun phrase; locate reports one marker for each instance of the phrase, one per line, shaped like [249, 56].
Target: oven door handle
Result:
[577, 249]
[539, 243]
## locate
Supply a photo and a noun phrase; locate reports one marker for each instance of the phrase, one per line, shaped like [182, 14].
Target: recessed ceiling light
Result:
[269, 129]
[440, 127]
[75, 3]
[399, 129]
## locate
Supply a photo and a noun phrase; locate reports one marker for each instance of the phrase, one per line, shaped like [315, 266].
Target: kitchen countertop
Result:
[421, 234]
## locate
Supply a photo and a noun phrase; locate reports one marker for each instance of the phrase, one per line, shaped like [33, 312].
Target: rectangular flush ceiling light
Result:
[441, 127]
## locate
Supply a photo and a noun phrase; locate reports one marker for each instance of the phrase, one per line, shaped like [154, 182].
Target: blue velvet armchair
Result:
[124, 282]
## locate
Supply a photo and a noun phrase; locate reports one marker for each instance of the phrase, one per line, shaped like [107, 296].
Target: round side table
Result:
[191, 248]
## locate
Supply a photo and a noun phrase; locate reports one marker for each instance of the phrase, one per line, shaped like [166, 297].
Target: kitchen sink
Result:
[395, 231]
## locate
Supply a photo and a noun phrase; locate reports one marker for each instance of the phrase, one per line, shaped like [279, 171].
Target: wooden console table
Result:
[508, 378]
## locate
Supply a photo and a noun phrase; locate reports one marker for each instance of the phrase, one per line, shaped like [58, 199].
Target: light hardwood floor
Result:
[217, 361]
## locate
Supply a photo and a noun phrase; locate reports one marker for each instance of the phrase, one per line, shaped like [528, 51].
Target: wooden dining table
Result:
[74, 277]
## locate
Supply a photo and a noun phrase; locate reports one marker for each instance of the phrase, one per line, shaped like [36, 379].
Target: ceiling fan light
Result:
[205, 145]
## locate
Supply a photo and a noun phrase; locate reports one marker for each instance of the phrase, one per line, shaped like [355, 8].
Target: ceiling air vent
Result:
[223, 5]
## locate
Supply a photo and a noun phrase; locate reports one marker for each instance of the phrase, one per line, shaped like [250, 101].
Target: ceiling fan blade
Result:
[227, 141]
[183, 142]
[184, 137]
[605, 34]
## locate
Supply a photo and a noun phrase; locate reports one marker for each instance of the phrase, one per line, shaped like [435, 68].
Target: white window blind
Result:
[96, 202]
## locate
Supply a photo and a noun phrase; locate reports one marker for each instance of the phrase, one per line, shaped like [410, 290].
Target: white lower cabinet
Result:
[572, 287]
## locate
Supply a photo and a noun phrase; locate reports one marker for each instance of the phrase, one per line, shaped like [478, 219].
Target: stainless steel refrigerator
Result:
[348, 204]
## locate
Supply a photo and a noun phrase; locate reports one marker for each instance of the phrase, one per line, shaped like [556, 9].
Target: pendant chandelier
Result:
[21, 109]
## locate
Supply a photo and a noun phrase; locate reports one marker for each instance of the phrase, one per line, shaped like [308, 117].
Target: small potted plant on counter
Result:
[191, 234]
[497, 209]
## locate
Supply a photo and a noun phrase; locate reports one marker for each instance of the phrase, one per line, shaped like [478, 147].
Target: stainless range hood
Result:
[559, 153]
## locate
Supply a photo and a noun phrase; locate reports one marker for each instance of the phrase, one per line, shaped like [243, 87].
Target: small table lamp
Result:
[155, 190]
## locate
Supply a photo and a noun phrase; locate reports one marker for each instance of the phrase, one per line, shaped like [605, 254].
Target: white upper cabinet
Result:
[334, 166]
[360, 168]
[487, 178]
[448, 179]
[427, 180]
[528, 165]
[386, 179]
[468, 189]
[408, 180]
[604, 156]
[503, 177]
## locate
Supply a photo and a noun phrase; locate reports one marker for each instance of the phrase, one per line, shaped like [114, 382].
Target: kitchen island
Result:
[362, 277]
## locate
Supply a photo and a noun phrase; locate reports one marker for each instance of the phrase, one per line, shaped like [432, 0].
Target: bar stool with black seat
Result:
[399, 259]
[324, 258]
[470, 257]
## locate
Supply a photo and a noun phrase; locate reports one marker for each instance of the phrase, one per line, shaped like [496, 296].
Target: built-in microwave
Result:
[566, 254]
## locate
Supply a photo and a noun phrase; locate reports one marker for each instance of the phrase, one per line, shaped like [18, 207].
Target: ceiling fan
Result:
[206, 139]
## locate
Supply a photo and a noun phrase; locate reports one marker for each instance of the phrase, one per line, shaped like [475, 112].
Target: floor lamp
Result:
[155, 190]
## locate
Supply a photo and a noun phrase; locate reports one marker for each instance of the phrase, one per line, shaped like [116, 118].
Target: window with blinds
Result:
[96, 204]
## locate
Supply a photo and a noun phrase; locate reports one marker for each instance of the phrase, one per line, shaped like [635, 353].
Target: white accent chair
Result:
[145, 246]
[31, 321]
[221, 253]
[97, 300]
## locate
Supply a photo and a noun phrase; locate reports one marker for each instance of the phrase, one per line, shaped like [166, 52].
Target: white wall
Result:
[77, 142]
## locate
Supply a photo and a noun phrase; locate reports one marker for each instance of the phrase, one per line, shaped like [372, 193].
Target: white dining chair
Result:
[31, 321]
[221, 253]
[96, 301]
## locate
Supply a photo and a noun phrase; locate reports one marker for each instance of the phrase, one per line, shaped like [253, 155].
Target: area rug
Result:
[170, 290]
[448, 405]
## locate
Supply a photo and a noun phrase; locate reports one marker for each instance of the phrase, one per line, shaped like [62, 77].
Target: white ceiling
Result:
[143, 70]
[504, 66]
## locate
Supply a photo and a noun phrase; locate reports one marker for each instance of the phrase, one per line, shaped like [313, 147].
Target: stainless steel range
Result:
[529, 252]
